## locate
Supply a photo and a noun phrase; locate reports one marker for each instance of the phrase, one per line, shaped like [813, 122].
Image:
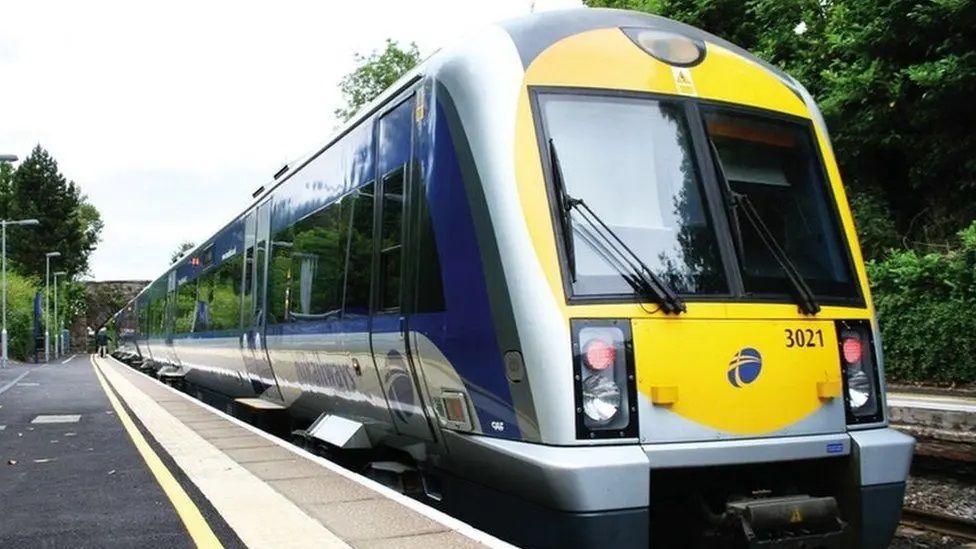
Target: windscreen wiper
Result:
[640, 276]
[565, 223]
[740, 202]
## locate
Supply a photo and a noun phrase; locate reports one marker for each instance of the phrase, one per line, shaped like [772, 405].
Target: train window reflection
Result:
[359, 252]
[307, 264]
[631, 160]
[775, 164]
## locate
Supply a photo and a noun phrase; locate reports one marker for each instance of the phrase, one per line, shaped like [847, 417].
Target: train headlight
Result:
[606, 393]
[861, 379]
[601, 399]
[669, 47]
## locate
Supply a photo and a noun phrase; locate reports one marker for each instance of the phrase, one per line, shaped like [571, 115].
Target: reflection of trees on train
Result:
[308, 262]
[212, 302]
[695, 247]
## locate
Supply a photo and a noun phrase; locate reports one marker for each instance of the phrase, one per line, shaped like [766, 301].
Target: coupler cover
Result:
[790, 521]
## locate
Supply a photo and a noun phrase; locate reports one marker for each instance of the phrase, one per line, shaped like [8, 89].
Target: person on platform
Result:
[101, 339]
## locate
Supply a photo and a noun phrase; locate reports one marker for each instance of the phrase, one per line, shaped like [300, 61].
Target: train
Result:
[589, 276]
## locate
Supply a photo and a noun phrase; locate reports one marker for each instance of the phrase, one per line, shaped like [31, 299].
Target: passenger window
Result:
[317, 259]
[307, 265]
[391, 241]
[280, 276]
[226, 297]
[247, 300]
[186, 296]
[359, 255]
[202, 313]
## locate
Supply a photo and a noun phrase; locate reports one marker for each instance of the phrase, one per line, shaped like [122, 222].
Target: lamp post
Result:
[3, 225]
[57, 325]
[47, 308]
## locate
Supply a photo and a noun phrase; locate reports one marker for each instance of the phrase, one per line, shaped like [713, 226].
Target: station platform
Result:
[944, 425]
[96, 454]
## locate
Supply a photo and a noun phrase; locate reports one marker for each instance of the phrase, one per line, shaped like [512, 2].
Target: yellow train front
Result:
[699, 360]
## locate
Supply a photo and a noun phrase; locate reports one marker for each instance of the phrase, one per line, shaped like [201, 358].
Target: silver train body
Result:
[405, 291]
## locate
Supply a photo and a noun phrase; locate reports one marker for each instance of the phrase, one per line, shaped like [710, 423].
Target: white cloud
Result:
[168, 115]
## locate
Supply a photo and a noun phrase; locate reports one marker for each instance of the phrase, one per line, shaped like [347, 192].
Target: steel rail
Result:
[936, 522]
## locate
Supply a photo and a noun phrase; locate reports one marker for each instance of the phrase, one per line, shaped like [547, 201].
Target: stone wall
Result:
[103, 299]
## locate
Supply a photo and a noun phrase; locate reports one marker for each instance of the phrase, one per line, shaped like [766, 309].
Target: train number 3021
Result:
[803, 337]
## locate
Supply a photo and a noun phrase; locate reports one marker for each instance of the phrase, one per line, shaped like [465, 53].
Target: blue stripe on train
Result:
[465, 332]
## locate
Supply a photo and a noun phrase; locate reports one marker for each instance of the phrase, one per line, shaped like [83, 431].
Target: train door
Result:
[170, 316]
[390, 325]
[257, 227]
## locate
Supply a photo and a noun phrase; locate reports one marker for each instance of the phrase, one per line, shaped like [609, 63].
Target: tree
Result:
[374, 73]
[6, 180]
[183, 247]
[68, 223]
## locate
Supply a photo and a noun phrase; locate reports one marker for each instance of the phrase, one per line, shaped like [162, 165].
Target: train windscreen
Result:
[775, 165]
[631, 161]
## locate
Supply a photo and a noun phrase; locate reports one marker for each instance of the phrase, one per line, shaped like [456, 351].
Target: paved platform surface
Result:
[119, 459]
[77, 481]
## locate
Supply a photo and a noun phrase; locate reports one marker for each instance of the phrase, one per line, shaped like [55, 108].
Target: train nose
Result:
[708, 379]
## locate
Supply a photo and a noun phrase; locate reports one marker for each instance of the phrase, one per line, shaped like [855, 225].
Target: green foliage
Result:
[6, 180]
[374, 73]
[875, 226]
[68, 223]
[20, 315]
[927, 308]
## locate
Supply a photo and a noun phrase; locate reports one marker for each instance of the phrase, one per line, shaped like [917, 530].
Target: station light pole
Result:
[47, 308]
[57, 325]
[3, 225]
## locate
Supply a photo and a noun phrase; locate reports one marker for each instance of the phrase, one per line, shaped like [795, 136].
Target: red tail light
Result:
[852, 350]
[600, 355]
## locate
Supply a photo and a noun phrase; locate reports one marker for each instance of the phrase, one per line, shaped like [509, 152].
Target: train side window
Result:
[226, 294]
[359, 253]
[280, 276]
[316, 258]
[247, 297]
[186, 296]
[391, 241]
[202, 315]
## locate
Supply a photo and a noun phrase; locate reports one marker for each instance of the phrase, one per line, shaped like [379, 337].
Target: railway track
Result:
[943, 524]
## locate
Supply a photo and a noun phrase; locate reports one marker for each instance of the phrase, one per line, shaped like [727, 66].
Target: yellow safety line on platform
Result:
[200, 531]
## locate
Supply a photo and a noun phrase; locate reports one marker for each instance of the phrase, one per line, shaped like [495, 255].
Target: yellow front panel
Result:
[692, 359]
[683, 361]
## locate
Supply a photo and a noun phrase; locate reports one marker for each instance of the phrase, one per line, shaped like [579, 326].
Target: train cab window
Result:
[774, 164]
[359, 253]
[630, 160]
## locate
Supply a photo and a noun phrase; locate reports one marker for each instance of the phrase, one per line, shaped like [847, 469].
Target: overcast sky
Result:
[169, 114]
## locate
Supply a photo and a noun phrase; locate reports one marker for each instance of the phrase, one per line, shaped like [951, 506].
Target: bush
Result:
[20, 315]
[927, 309]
